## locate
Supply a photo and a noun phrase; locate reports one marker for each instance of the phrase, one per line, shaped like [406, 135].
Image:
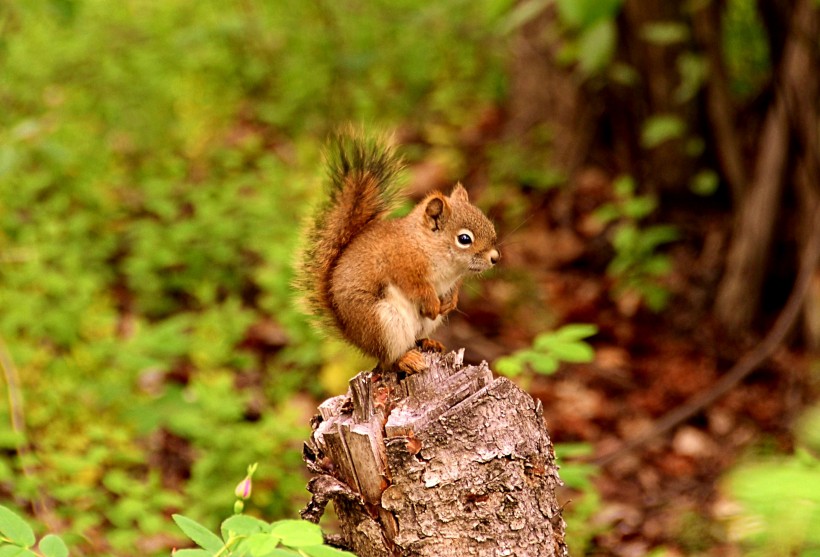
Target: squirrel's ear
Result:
[459, 193]
[436, 211]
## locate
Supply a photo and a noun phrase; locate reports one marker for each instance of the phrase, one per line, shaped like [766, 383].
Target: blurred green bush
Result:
[156, 159]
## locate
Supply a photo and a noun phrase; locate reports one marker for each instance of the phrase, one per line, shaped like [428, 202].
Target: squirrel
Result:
[385, 284]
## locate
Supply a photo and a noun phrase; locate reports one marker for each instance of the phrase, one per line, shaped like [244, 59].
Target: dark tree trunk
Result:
[448, 462]
[739, 292]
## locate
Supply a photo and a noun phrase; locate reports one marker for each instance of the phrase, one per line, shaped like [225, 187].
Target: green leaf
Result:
[624, 186]
[577, 475]
[297, 533]
[625, 237]
[661, 128]
[15, 528]
[576, 331]
[693, 70]
[624, 74]
[665, 32]
[583, 13]
[200, 535]
[191, 553]
[657, 266]
[573, 352]
[325, 551]
[639, 207]
[607, 213]
[241, 525]
[704, 183]
[259, 544]
[544, 364]
[12, 551]
[523, 13]
[573, 450]
[509, 366]
[53, 546]
[596, 47]
[657, 235]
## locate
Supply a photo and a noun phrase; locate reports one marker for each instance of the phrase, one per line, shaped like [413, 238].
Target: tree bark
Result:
[739, 291]
[804, 106]
[448, 462]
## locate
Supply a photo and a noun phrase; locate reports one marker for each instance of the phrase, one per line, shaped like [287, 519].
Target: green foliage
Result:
[240, 536]
[665, 32]
[17, 538]
[705, 182]
[637, 268]
[778, 497]
[592, 24]
[155, 164]
[661, 128]
[745, 48]
[590, 36]
[548, 350]
[246, 536]
[779, 505]
[586, 500]
[586, 13]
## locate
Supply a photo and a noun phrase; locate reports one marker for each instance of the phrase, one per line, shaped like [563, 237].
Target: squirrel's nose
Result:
[494, 256]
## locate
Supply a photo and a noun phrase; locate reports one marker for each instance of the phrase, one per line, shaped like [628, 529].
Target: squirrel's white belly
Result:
[401, 322]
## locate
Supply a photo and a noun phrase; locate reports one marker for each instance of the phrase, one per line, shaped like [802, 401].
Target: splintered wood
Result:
[446, 462]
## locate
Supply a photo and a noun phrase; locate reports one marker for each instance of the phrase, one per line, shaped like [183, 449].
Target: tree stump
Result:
[447, 462]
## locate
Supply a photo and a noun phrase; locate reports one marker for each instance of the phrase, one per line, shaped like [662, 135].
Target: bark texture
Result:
[740, 289]
[447, 462]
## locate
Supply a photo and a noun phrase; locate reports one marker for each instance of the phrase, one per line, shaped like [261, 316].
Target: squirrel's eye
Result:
[464, 238]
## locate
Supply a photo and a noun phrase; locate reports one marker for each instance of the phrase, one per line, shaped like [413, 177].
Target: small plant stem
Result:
[12, 377]
[18, 424]
[228, 543]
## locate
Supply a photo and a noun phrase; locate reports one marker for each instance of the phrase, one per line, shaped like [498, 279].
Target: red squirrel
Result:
[386, 284]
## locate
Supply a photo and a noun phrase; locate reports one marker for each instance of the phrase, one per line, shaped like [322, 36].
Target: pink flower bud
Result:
[243, 488]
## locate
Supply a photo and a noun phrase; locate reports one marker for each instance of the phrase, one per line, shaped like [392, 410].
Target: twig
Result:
[749, 362]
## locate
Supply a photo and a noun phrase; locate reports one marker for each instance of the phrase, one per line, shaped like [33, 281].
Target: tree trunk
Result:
[739, 291]
[808, 200]
[443, 463]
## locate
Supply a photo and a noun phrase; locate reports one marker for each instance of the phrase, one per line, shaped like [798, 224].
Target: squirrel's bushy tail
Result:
[362, 188]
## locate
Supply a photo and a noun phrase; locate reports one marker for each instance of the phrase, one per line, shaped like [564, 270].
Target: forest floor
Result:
[667, 493]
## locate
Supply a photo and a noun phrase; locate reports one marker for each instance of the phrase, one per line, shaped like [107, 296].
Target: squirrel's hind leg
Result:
[412, 362]
[399, 327]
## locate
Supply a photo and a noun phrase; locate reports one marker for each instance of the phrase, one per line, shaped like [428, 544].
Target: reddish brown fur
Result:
[385, 284]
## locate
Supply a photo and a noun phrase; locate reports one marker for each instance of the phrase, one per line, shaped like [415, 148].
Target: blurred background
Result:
[651, 167]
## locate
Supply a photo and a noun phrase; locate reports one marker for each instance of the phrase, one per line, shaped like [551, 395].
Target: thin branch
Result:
[749, 362]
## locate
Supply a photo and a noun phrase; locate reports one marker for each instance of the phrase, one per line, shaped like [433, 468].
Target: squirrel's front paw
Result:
[449, 303]
[411, 362]
[429, 345]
